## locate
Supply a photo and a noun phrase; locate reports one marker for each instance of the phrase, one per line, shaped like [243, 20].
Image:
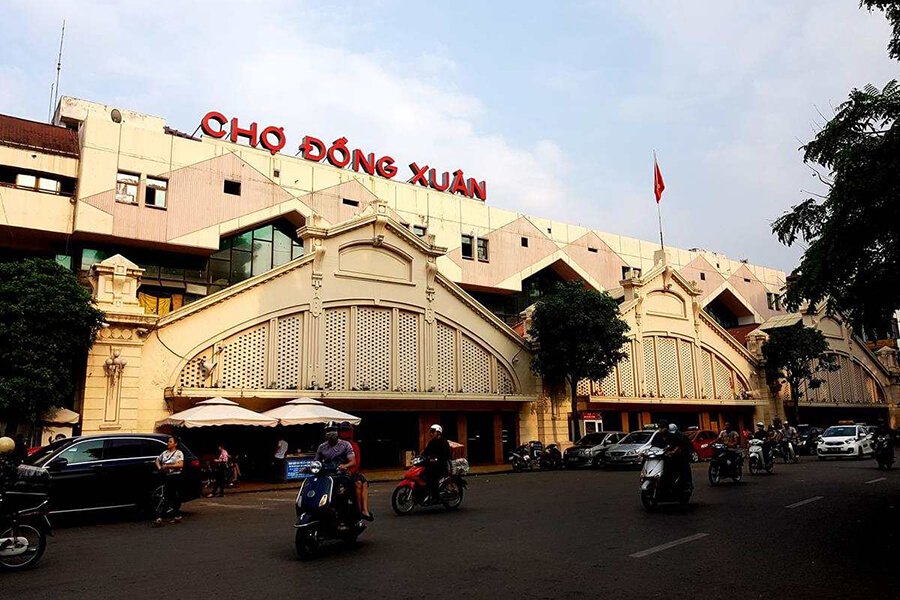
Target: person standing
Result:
[221, 471]
[281, 449]
[167, 498]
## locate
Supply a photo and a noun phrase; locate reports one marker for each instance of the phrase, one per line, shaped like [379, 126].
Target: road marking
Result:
[802, 502]
[877, 480]
[662, 547]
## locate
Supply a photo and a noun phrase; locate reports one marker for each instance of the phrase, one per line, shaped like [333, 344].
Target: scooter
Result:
[758, 463]
[326, 510]
[883, 451]
[656, 487]
[551, 458]
[726, 463]
[413, 490]
[785, 450]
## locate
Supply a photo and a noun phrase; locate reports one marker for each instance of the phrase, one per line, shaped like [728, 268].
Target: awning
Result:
[306, 411]
[60, 416]
[217, 411]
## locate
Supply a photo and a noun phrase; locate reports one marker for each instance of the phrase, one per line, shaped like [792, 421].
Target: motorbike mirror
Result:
[58, 464]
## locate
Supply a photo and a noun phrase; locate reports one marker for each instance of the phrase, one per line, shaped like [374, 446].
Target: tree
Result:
[579, 336]
[47, 325]
[798, 354]
[852, 262]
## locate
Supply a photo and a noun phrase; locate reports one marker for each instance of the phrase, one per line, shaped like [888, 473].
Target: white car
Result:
[845, 440]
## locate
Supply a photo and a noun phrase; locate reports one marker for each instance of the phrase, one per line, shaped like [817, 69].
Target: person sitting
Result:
[437, 455]
[766, 438]
[359, 480]
[679, 453]
[334, 452]
[730, 438]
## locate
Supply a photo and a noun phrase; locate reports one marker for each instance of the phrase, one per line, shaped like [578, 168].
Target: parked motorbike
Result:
[528, 456]
[726, 463]
[884, 451]
[657, 486]
[551, 458]
[758, 464]
[23, 513]
[413, 490]
[326, 510]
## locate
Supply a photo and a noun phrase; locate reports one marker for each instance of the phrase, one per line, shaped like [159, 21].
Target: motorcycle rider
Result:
[335, 452]
[789, 438]
[883, 431]
[437, 455]
[359, 480]
[766, 438]
[678, 450]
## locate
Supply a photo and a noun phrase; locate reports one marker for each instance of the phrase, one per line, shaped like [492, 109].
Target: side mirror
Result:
[57, 464]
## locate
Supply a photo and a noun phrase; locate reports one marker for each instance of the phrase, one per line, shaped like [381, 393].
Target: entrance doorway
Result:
[480, 437]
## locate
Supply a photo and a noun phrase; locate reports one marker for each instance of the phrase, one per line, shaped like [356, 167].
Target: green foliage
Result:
[891, 10]
[852, 261]
[47, 324]
[580, 335]
[800, 355]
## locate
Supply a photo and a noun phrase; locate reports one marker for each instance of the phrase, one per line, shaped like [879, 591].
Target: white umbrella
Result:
[61, 416]
[217, 411]
[305, 411]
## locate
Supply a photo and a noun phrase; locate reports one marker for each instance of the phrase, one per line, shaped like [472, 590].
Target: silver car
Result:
[627, 453]
[591, 449]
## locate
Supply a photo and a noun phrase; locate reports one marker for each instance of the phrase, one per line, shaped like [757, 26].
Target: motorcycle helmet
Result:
[437, 428]
[760, 425]
[7, 445]
[673, 428]
[332, 426]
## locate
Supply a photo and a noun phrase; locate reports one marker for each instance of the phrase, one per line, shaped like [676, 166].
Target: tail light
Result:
[195, 464]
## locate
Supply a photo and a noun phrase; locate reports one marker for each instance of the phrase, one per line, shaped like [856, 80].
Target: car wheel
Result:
[738, 474]
[714, 477]
[695, 456]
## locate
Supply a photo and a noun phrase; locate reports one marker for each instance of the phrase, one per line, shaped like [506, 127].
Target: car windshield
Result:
[638, 437]
[592, 439]
[839, 432]
[40, 456]
[691, 434]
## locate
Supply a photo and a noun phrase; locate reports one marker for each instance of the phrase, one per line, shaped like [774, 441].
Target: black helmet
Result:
[346, 426]
[332, 426]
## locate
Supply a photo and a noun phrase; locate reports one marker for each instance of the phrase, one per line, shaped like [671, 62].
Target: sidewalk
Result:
[374, 476]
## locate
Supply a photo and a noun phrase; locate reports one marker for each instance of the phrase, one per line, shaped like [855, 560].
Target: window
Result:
[276, 173]
[746, 280]
[524, 242]
[549, 230]
[132, 448]
[777, 301]
[83, 452]
[466, 247]
[34, 182]
[594, 250]
[770, 300]
[127, 187]
[89, 256]
[419, 230]
[26, 181]
[482, 249]
[253, 252]
[702, 276]
[156, 192]
[232, 188]
[349, 202]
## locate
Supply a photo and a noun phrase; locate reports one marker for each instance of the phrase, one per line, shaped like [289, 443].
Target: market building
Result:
[227, 268]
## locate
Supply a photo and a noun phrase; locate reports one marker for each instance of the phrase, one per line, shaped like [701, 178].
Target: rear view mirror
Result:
[57, 464]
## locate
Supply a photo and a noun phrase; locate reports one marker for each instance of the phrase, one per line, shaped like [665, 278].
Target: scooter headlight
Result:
[315, 467]
[323, 501]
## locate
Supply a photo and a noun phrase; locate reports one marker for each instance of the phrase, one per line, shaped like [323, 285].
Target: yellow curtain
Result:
[164, 306]
[153, 305]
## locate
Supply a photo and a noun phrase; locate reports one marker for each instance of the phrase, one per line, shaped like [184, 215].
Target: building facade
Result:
[232, 270]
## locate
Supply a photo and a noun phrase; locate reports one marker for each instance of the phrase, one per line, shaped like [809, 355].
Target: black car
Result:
[807, 438]
[95, 472]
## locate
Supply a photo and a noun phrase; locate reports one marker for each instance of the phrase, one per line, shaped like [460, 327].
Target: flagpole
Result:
[658, 210]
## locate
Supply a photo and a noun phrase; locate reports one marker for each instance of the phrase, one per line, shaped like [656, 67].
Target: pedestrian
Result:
[167, 501]
[278, 463]
[220, 465]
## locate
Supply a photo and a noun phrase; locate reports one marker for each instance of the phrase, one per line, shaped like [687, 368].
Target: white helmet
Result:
[437, 428]
[760, 424]
[7, 445]
[673, 428]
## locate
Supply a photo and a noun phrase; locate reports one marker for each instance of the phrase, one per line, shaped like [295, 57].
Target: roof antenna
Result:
[50, 108]
[58, 66]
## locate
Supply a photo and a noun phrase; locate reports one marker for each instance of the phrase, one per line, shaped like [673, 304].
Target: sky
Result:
[557, 105]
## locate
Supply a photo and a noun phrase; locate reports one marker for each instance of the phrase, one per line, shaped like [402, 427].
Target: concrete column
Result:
[462, 431]
[498, 437]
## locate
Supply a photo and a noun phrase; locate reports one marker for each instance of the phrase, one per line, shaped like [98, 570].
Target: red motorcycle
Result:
[413, 490]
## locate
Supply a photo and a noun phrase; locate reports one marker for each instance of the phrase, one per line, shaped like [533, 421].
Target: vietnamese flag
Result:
[658, 184]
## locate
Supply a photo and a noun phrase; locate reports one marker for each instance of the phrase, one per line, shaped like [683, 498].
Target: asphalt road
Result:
[813, 530]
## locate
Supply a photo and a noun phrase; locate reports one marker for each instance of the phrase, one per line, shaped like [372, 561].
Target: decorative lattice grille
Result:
[335, 349]
[608, 385]
[288, 350]
[244, 359]
[446, 357]
[741, 386]
[193, 375]
[504, 381]
[870, 389]
[835, 393]
[476, 368]
[859, 394]
[724, 381]
[706, 369]
[650, 383]
[373, 348]
[669, 377]
[408, 352]
[686, 364]
[845, 379]
[584, 388]
[626, 374]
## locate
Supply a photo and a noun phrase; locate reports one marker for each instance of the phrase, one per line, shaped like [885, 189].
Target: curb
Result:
[383, 480]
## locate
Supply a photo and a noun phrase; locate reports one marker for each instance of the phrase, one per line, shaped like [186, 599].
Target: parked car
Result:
[702, 440]
[590, 450]
[845, 440]
[96, 472]
[627, 452]
[807, 439]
